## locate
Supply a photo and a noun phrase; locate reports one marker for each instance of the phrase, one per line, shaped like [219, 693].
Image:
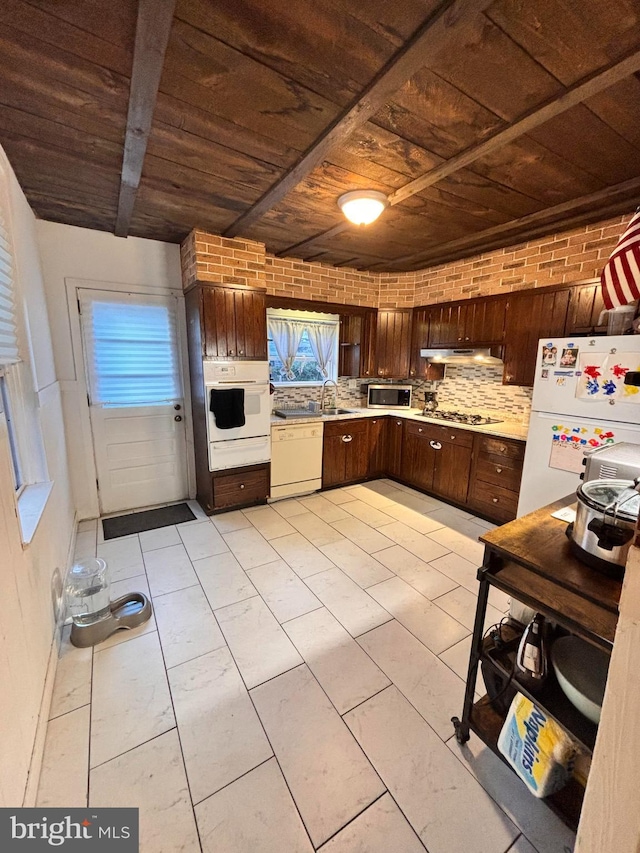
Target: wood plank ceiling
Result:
[486, 123]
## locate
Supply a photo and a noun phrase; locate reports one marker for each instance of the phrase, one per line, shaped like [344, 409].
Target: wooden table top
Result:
[539, 542]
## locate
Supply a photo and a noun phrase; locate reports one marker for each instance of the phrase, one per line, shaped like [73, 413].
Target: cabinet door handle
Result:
[398, 423]
[436, 445]
[420, 429]
[495, 500]
[242, 485]
[453, 438]
[498, 470]
[347, 438]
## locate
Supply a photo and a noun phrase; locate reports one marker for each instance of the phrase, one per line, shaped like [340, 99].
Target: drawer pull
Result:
[452, 437]
[436, 445]
[420, 429]
[495, 500]
[347, 438]
[498, 470]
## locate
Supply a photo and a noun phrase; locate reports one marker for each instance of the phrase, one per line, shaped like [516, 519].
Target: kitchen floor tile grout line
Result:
[177, 728]
[265, 732]
[258, 594]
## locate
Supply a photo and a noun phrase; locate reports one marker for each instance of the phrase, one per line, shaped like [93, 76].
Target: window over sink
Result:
[302, 347]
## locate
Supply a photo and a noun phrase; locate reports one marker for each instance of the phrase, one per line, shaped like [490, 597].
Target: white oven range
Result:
[249, 444]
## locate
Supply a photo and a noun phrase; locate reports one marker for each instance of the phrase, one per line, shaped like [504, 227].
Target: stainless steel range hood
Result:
[477, 356]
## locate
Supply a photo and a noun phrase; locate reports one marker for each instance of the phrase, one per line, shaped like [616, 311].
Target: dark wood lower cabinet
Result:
[418, 457]
[377, 447]
[345, 452]
[469, 469]
[240, 487]
[394, 446]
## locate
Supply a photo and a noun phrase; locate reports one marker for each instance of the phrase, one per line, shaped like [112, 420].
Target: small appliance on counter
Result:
[619, 461]
[430, 402]
[606, 518]
[389, 396]
[95, 617]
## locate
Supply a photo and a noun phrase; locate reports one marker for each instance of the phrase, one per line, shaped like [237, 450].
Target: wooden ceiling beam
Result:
[592, 207]
[586, 88]
[449, 18]
[152, 36]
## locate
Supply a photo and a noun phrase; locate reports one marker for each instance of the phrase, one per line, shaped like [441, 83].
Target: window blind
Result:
[131, 349]
[8, 331]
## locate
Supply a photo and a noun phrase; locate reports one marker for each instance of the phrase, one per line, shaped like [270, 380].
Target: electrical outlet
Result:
[352, 384]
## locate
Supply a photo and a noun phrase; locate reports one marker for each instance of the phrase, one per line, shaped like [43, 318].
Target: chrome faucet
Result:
[324, 385]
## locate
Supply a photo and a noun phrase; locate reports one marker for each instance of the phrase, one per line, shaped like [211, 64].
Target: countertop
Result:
[506, 429]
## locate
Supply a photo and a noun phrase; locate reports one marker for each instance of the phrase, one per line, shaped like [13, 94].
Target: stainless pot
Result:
[606, 519]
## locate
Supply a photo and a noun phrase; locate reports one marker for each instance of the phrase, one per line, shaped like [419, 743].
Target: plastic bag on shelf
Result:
[538, 749]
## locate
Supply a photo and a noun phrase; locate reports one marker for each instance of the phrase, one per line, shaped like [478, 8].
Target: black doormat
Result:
[150, 519]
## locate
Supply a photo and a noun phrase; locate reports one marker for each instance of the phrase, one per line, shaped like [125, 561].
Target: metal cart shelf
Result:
[529, 560]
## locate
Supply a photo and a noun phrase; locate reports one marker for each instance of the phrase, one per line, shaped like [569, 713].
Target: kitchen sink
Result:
[337, 412]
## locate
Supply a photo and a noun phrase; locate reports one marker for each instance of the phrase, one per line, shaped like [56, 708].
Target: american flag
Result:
[621, 275]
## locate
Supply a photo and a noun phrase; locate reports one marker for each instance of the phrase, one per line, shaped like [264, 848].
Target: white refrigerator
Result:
[580, 402]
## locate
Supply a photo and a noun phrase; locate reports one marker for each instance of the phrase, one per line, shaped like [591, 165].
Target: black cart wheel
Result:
[462, 731]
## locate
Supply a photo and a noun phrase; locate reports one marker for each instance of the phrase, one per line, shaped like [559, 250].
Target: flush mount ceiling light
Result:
[362, 207]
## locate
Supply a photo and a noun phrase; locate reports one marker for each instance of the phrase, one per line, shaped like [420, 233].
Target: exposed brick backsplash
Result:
[563, 257]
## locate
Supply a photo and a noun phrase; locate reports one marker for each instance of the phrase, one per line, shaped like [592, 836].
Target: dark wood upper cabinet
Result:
[234, 322]
[531, 315]
[393, 343]
[420, 368]
[471, 322]
[485, 321]
[350, 345]
[584, 310]
[368, 344]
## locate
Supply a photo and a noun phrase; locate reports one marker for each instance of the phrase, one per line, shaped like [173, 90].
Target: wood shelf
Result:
[551, 699]
[487, 723]
[529, 559]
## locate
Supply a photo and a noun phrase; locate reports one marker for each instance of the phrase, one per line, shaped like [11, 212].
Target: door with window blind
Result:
[135, 398]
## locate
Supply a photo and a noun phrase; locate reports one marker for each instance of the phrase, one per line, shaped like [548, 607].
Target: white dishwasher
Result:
[296, 459]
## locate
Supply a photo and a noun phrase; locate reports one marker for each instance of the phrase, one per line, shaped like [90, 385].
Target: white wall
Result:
[610, 815]
[72, 255]
[29, 575]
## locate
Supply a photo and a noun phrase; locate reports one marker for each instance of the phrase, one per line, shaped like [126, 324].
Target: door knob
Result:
[177, 407]
[178, 418]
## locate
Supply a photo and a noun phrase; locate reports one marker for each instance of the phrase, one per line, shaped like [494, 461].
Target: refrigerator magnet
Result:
[569, 357]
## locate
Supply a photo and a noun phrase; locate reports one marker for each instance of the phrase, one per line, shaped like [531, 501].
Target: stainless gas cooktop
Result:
[461, 418]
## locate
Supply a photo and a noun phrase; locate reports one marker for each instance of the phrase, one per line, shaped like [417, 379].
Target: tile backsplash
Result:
[465, 388]
[480, 389]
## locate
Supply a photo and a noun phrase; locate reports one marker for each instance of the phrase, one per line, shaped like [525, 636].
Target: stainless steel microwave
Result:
[389, 396]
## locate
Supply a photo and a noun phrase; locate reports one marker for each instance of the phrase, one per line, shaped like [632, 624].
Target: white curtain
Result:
[322, 337]
[286, 335]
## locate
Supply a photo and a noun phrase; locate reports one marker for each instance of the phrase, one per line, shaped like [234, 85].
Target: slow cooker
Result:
[606, 518]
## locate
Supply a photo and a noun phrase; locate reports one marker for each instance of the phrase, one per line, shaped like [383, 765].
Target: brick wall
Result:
[564, 257]
[305, 280]
[208, 257]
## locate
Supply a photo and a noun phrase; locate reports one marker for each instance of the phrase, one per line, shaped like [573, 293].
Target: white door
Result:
[135, 398]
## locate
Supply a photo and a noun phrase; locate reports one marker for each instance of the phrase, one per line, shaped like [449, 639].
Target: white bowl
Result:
[581, 670]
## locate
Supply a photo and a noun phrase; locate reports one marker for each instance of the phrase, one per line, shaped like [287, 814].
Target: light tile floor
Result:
[295, 687]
